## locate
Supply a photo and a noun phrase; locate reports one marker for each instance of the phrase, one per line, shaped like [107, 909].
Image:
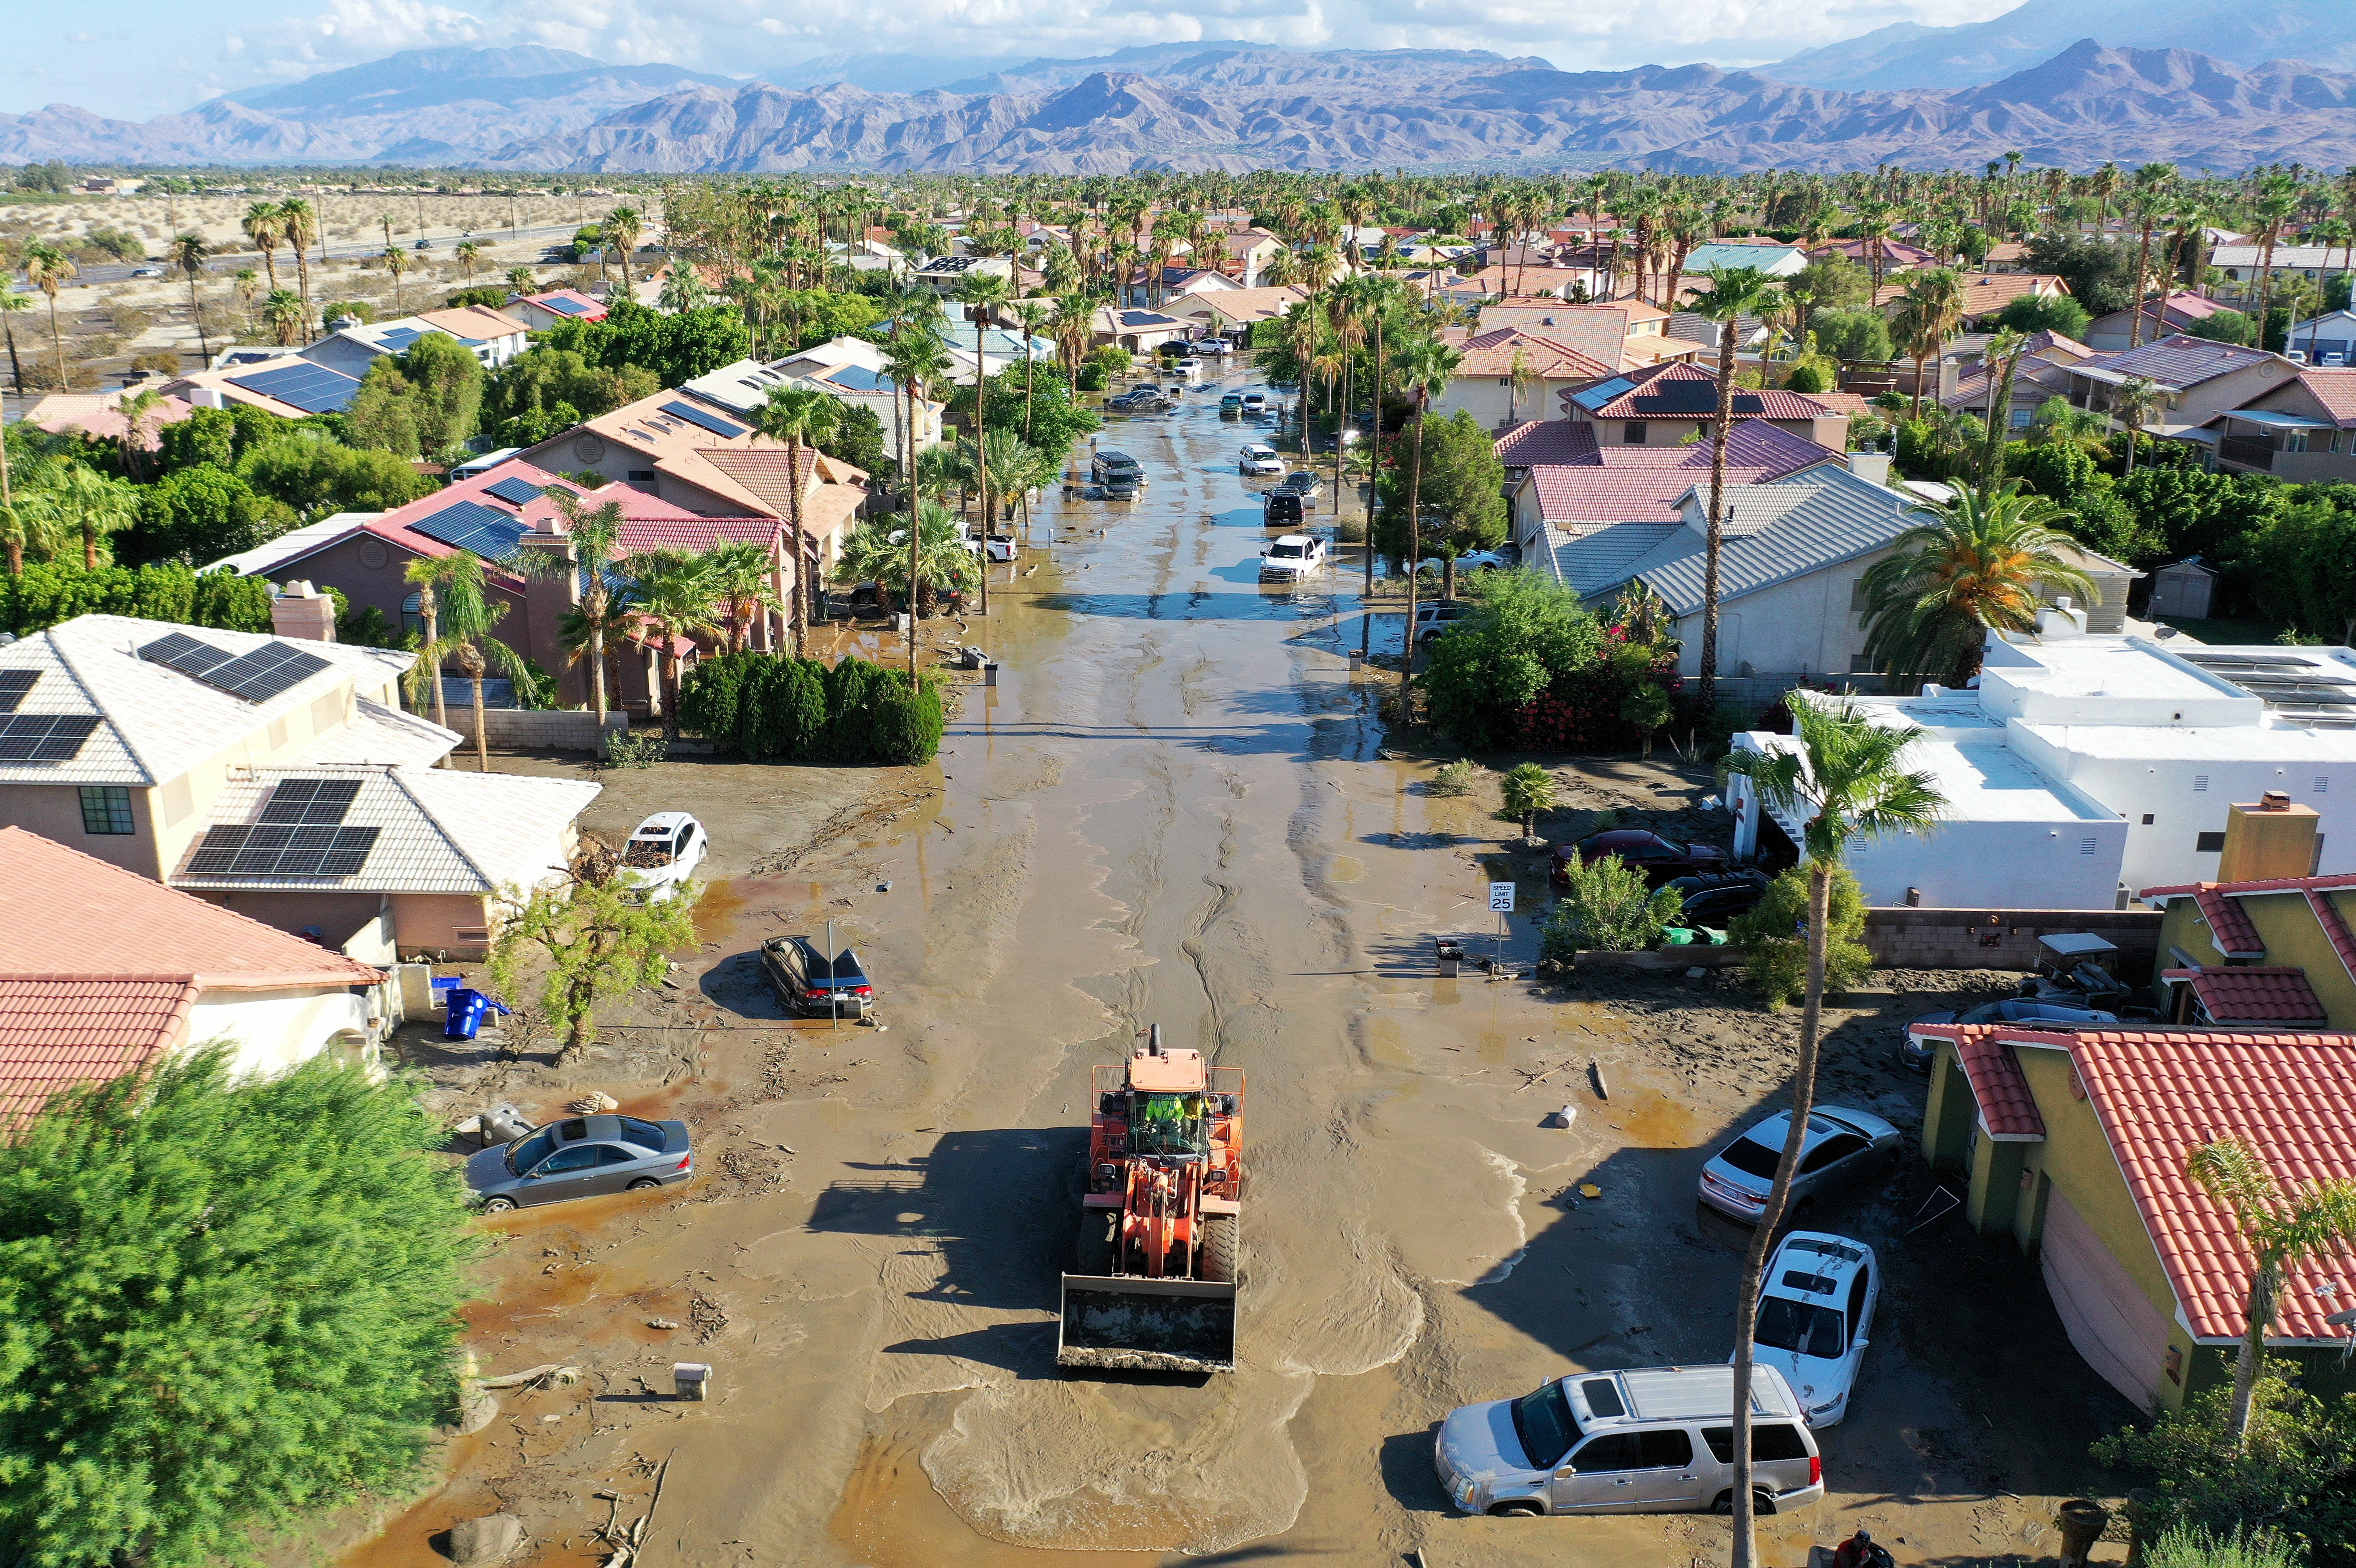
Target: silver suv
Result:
[1656, 1440]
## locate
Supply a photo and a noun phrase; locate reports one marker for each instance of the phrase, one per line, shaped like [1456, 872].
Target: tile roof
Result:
[1774, 403]
[438, 830]
[681, 449]
[474, 324]
[381, 735]
[1583, 493]
[766, 474]
[2254, 994]
[2335, 927]
[100, 414]
[1242, 304]
[1492, 353]
[58, 1032]
[1988, 292]
[2007, 1109]
[1547, 441]
[2336, 390]
[2160, 1095]
[95, 918]
[2182, 305]
[1782, 529]
[2177, 360]
[584, 308]
[155, 722]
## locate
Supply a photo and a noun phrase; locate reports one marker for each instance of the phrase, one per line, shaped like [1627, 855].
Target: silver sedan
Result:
[1843, 1148]
[582, 1156]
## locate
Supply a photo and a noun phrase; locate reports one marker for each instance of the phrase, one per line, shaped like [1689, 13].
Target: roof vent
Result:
[2274, 800]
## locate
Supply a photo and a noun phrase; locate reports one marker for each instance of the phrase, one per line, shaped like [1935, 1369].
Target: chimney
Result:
[1873, 467]
[302, 611]
[2272, 838]
[1951, 374]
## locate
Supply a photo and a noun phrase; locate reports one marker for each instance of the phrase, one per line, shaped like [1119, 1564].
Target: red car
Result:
[1661, 860]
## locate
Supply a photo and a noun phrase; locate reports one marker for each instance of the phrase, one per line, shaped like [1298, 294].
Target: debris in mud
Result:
[707, 1318]
[589, 1104]
[665, 1324]
[745, 1166]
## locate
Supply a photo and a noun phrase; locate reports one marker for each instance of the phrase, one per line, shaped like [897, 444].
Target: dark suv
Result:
[1110, 465]
[808, 981]
[1282, 509]
[1661, 860]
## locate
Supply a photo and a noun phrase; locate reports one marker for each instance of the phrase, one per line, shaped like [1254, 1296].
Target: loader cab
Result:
[1170, 1125]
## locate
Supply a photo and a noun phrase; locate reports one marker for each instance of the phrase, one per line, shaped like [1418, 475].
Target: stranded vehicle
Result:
[662, 855]
[1159, 1239]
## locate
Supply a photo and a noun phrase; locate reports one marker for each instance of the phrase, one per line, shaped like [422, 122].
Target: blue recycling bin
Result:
[468, 1008]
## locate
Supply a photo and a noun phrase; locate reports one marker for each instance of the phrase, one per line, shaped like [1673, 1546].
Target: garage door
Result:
[2111, 1321]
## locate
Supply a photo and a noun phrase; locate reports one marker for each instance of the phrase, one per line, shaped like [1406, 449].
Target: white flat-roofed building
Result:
[2081, 764]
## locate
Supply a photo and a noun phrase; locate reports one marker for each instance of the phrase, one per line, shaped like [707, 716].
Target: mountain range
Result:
[1241, 106]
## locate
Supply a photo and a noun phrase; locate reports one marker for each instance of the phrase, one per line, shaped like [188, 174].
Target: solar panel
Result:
[1596, 396]
[1678, 398]
[400, 337]
[311, 803]
[279, 852]
[14, 685]
[712, 422]
[313, 389]
[516, 492]
[184, 653]
[264, 673]
[470, 525]
[566, 306]
[44, 737]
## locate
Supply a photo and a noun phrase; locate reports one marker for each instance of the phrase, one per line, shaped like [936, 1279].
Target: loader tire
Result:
[1095, 1259]
[1223, 1248]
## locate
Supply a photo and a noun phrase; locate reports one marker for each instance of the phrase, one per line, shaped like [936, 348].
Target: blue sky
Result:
[135, 58]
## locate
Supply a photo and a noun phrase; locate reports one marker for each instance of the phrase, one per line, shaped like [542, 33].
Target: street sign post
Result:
[1501, 904]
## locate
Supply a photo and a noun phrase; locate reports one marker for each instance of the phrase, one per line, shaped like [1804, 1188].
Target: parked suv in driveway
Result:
[1661, 860]
[1656, 1440]
[808, 981]
[1918, 1051]
[582, 1157]
[1843, 1148]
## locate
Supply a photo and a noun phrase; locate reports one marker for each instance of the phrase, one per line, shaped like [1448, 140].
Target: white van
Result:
[1656, 1440]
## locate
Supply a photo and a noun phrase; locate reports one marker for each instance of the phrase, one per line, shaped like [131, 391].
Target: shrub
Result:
[1607, 909]
[1774, 952]
[47, 593]
[909, 719]
[791, 723]
[636, 749]
[1529, 792]
[1805, 379]
[2189, 1546]
[1452, 779]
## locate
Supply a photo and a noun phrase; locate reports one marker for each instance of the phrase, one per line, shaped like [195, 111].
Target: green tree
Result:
[675, 593]
[877, 552]
[2224, 327]
[2192, 511]
[1734, 293]
[2296, 563]
[1775, 950]
[198, 515]
[1529, 791]
[2033, 314]
[73, 498]
[594, 942]
[1463, 493]
[1859, 335]
[2283, 1231]
[315, 476]
[1844, 778]
[1606, 907]
[458, 630]
[2291, 1473]
[1525, 633]
[421, 401]
[48, 268]
[232, 1301]
[593, 533]
[800, 417]
[1976, 564]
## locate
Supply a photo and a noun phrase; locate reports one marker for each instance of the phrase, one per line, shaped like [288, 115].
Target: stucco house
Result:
[2197, 381]
[106, 971]
[2303, 429]
[1666, 404]
[1508, 374]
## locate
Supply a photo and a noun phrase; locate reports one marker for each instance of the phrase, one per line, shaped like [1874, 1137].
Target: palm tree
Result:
[799, 416]
[1844, 779]
[47, 268]
[2277, 199]
[1975, 565]
[74, 497]
[188, 252]
[12, 303]
[459, 629]
[1733, 294]
[299, 221]
[682, 290]
[594, 535]
[140, 410]
[675, 593]
[396, 263]
[2133, 401]
[521, 280]
[744, 583]
[873, 551]
[621, 230]
[1929, 312]
[2003, 358]
[1036, 317]
[980, 293]
[286, 313]
[1425, 367]
[260, 224]
[433, 575]
[468, 252]
[2149, 197]
[2283, 1230]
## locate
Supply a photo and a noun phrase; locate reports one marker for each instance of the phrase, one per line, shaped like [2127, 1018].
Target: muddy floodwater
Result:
[1174, 807]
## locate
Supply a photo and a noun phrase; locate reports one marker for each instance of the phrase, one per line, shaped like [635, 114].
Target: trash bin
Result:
[468, 1008]
[1452, 955]
[691, 1380]
[2082, 1520]
[440, 987]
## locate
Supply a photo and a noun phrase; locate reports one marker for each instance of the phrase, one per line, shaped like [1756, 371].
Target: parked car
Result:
[1255, 402]
[585, 1157]
[1661, 860]
[1654, 1440]
[1484, 560]
[1815, 1318]
[1281, 508]
[807, 981]
[1918, 1051]
[1256, 459]
[1291, 557]
[997, 546]
[1305, 484]
[1432, 619]
[1233, 403]
[662, 854]
[1108, 464]
[1843, 1148]
[1122, 487]
[147, 272]
[1712, 899]
[422, 245]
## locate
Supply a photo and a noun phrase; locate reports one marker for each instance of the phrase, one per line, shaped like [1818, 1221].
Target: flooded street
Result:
[1172, 808]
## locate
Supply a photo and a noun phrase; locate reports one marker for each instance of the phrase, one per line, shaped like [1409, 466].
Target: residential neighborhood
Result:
[882, 868]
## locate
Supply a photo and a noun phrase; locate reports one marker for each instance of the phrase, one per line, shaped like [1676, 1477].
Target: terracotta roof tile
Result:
[2008, 1110]
[2160, 1095]
[2230, 925]
[2335, 388]
[1774, 403]
[2335, 926]
[1547, 441]
[2254, 994]
[58, 1031]
[1491, 354]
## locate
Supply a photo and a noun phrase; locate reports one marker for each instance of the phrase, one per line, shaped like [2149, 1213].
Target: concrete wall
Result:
[431, 923]
[2044, 865]
[2003, 938]
[54, 811]
[1810, 626]
[1495, 401]
[276, 1029]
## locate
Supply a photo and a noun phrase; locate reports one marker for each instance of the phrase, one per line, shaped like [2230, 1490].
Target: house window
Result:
[1505, 381]
[412, 614]
[1633, 433]
[1861, 664]
[2209, 843]
[105, 808]
[639, 475]
[2021, 417]
[1860, 599]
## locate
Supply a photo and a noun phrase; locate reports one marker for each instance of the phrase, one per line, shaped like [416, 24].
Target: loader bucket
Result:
[1135, 1324]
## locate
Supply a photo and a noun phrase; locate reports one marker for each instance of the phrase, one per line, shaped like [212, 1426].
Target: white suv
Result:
[1291, 557]
[1815, 1318]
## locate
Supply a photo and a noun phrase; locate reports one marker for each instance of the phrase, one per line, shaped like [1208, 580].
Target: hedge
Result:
[778, 709]
[52, 591]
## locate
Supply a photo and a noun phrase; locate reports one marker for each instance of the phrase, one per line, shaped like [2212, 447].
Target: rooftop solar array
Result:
[313, 389]
[44, 737]
[311, 803]
[266, 672]
[712, 422]
[1594, 398]
[563, 306]
[280, 852]
[470, 525]
[15, 685]
[400, 337]
[2300, 689]
[516, 492]
[1682, 397]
